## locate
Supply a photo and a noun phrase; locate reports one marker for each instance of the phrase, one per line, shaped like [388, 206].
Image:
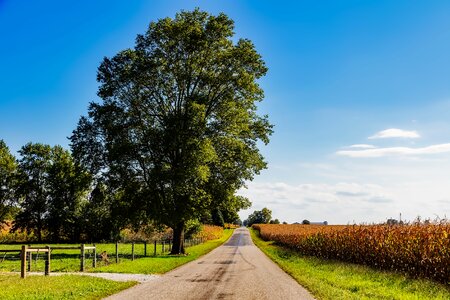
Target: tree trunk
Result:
[39, 235]
[178, 239]
[39, 230]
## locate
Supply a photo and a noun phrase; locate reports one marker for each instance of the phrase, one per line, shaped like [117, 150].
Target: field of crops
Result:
[419, 250]
[209, 232]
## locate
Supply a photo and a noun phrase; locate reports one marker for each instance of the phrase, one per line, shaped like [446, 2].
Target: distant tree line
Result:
[263, 216]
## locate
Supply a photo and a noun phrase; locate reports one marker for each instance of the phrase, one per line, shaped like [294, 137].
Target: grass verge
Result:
[69, 260]
[336, 280]
[58, 287]
[164, 263]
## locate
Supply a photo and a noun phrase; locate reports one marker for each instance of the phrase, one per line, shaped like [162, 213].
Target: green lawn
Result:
[163, 263]
[86, 287]
[69, 260]
[337, 280]
[58, 287]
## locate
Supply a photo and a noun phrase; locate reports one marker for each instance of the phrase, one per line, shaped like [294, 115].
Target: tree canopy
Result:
[177, 131]
[8, 169]
[50, 192]
[262, 216]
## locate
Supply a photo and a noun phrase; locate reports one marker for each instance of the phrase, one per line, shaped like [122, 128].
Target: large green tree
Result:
[8, 169]
[177, 132]
[31, 190]
[67, 186]
[101, 218]
[51, 191]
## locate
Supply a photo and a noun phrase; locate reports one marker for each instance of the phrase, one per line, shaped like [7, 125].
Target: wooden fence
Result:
[83, 249]
[26, 253]
[166, 246]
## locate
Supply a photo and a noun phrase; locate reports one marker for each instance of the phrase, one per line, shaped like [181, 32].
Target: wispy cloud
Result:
[318, 202]
[362, 146]
[395, 151]
[331, 193]
[395, 133]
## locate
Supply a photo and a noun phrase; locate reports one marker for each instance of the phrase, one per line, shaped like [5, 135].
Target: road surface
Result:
[235, 270]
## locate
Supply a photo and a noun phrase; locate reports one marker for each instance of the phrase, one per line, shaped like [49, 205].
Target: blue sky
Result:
[359, 92]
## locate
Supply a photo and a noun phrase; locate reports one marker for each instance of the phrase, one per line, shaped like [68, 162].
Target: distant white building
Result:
[319, 223]
[312, 223]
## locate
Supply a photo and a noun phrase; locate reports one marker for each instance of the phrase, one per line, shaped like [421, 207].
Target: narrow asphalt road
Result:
[235, 270]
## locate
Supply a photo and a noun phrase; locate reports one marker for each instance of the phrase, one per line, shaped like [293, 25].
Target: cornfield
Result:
[230, 226]
[417, 249]
[209, 232]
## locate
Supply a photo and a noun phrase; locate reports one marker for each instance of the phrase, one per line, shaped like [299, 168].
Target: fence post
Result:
[155, 248]
[117, 252]
[82, 258]
[94, 261]
[47, 262]
[162, 247]
[29, 260]
[132, 251]
[23, 262]
[145, 248]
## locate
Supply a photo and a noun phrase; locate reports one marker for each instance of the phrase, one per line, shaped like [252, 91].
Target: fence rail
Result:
[27, 251]
[23, 259]
[122, 250]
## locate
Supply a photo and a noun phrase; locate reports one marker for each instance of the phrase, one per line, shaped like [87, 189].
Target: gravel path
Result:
[235, 270]
[111, 276]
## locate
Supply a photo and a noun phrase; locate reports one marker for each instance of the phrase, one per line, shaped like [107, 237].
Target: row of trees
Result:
[263, 216]
[46, 193]
[174, 137]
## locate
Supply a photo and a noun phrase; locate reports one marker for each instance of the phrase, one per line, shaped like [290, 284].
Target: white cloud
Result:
[362, 146]
[395, 133]
[395, 151]
[335, 203]
[354, 190]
